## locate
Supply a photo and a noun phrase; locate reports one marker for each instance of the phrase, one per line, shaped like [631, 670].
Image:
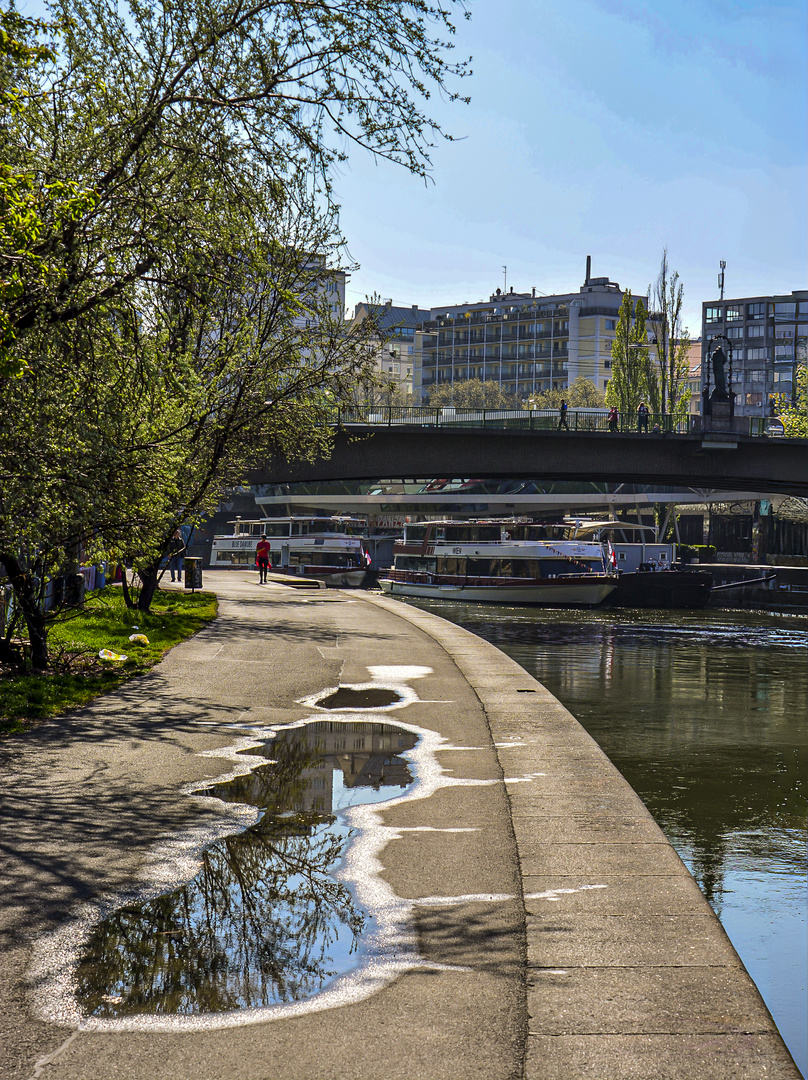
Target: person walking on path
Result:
[642, 418]
[614, 417]
[262, 559]
[176, 549]
[562, 416]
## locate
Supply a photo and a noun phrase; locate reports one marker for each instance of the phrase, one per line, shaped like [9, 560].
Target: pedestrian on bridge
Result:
[562, 416]
[614, 418]
[642, 417]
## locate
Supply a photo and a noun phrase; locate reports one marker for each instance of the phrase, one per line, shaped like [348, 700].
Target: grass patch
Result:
[78, 674]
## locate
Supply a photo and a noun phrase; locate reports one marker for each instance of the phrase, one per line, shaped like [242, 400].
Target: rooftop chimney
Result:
[588, 269]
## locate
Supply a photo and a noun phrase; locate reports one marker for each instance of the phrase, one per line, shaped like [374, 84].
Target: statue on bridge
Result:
[719, 361]
[719, 405]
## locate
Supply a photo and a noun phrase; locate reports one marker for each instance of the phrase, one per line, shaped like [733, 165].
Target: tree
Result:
[628, 384]
[143, 433]
[668, 374]
[24, 208]
[794, 416]
[157, 112]
[471, 394]
[581, 393]
[178, 335]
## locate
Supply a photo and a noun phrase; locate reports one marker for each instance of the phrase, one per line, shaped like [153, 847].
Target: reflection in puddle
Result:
[265, 920]
[350, 697]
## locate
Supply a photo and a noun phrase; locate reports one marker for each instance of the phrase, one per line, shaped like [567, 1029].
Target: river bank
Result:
[704, 713]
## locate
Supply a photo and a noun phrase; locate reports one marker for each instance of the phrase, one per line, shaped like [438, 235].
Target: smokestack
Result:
[588, 269]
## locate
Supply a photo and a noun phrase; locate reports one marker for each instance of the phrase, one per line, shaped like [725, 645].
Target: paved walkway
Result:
[546, 927]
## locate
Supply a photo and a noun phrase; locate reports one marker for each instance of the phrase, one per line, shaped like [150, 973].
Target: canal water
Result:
[705, 714]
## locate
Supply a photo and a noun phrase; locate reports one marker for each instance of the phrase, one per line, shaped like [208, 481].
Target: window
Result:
[756, 311]
[785, 312]
[611, 324]
[733, 313]
[756, 330]
[714, 314]
[756, 375]
[607, 363]
[757, 354]
[735, 332]
[754, 399]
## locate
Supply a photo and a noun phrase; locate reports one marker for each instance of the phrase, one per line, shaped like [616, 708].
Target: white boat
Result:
[329, 549]
[505, 562]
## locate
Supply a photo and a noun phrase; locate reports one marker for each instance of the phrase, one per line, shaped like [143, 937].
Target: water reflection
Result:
[265, 920]
[705, 715]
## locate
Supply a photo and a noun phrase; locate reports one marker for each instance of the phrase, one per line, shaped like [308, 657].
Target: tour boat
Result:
[507, 562]
[649, 574]
[329, 549]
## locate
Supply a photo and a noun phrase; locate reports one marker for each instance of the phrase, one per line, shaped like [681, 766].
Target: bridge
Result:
[364, 450]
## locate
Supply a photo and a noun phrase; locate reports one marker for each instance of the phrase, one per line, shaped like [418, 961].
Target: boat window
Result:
[453, 567]
[460, 533]
[413, 562]
[478, 567]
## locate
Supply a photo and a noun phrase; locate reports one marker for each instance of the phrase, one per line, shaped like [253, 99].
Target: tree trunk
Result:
[22, 582]
[127, 595]
[150, 578]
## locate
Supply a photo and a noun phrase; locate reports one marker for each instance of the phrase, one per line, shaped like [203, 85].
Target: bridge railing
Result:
[514, 419]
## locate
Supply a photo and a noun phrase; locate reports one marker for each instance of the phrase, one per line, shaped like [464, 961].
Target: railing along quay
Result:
[578, 420]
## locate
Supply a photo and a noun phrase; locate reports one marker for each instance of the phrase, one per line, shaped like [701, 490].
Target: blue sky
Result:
[602, 128]
[610, 128]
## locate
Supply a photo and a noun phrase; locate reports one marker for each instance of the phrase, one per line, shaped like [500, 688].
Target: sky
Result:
[610, 128]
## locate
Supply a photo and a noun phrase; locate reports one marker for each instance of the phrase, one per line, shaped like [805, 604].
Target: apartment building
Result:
[524, 342]
[769, 338]
[395, 345]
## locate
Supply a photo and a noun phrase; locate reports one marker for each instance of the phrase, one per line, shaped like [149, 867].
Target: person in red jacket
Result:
[262, 558]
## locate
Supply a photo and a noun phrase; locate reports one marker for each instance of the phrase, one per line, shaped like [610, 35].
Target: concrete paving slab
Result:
[557, 940]
[628, 860]
[658, 1057]
[679, 1000]
[602, 895]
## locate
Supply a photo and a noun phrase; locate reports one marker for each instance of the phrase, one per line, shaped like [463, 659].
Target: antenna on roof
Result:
[723, 265]
[505, 271]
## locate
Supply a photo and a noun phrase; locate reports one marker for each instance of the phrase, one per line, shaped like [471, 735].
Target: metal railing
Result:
[580, 420]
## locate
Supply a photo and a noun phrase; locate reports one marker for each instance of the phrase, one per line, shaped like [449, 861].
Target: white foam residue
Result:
[399, 672]
[555, 894]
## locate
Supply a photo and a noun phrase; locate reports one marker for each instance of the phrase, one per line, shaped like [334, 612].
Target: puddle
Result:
[266, 920]
[350, 697]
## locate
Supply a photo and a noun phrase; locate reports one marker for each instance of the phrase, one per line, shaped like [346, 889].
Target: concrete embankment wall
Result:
[630, 973]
